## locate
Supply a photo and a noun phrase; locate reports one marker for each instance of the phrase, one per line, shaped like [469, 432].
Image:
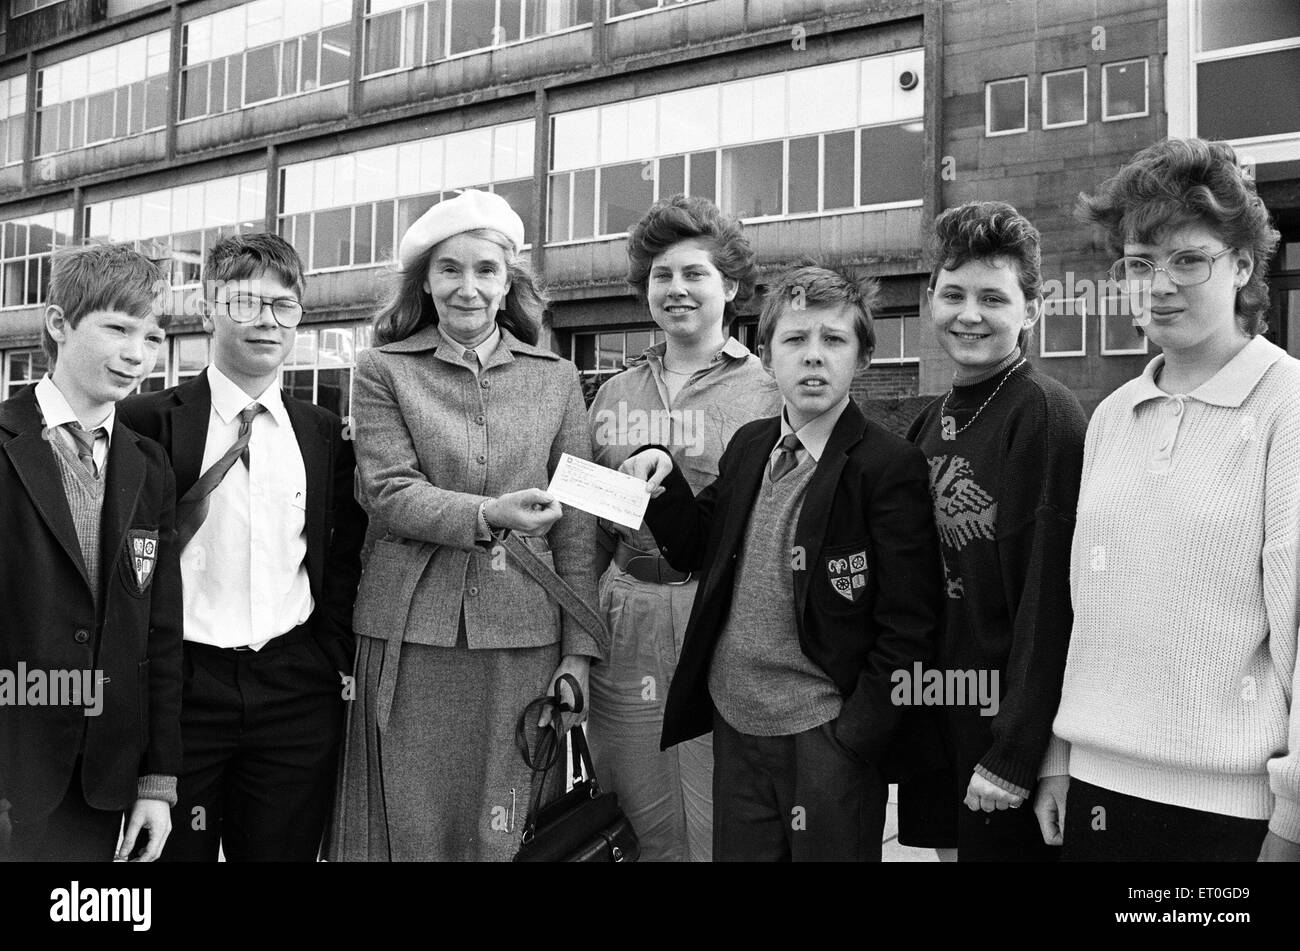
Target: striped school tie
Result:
[192, 509]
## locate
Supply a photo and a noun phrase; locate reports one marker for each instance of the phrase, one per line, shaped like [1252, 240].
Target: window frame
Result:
[1083, 70]
[281, 96]
[656, 336]
[902, 315]
[8, 390]
[988, 106]
[1104, 314]
[1081, 313]
[1146, 87]
[662, 6]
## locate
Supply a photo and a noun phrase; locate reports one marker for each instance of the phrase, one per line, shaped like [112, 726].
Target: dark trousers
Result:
[74, 832]
[1106, 826]
[261, 733]
[801, 798]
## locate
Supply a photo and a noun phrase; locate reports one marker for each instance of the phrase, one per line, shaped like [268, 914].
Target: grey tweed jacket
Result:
[432, 442]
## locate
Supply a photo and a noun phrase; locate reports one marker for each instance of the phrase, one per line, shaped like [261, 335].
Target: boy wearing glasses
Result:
[270, 540]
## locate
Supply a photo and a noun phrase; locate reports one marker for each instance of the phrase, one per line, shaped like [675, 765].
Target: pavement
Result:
[891, 851]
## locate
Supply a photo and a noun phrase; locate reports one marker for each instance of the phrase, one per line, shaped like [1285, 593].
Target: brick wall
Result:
[887, 382]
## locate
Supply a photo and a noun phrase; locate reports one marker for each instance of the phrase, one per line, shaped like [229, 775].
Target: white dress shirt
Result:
[487, 346]
[57, 413]
[245, 572]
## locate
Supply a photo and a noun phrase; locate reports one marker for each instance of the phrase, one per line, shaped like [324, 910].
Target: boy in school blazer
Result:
[271, 539]
[821, 579]
[89, 580]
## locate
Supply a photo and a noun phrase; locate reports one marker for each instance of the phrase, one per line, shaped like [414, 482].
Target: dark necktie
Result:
[85, 442]
[786, 460]
[192, 509]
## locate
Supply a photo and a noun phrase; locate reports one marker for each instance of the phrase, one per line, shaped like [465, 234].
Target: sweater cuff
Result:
[1056, 761]
[1001, 783]
[158, 787]
[1286, 819]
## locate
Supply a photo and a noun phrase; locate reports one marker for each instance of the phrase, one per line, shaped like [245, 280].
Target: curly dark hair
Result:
[1181, 182]
[990, 231]
[680, 218]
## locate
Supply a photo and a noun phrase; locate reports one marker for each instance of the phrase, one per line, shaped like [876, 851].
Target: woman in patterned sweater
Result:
[1005, 445]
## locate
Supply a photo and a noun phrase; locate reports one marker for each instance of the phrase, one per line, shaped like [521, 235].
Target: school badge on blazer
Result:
[142, 556]
[848, 575]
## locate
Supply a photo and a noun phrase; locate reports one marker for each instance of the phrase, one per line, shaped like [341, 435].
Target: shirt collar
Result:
[229, 400]
[56, 411]
[1229, 387]
[814, 434]
[484, 349]
[732, 349]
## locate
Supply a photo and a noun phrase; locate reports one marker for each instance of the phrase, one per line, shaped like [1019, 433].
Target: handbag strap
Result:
[552, 734]
[568, 599]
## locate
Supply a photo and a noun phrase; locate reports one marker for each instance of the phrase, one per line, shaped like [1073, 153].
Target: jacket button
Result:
[473, 591]
[480, 419]
[81, 636]
[485, 383]
[482, 459]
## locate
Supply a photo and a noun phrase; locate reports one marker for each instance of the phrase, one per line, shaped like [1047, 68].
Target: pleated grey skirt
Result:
[444, 780]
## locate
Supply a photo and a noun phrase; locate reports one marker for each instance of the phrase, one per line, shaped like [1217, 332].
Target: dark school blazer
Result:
[336, 524]
[868, 597]
[48, 620]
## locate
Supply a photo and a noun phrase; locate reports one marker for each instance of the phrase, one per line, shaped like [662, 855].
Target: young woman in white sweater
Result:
[1177, 736]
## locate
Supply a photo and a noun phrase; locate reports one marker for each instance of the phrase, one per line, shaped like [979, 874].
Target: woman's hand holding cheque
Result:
[651, 467]
[525, 512]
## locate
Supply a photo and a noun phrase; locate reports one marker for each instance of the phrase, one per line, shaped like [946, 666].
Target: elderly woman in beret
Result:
[460, 417]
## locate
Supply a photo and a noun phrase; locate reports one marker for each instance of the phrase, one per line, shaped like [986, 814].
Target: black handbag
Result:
[584, 824]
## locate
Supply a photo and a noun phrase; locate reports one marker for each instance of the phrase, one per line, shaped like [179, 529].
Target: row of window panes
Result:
[104, 69]
[427, 32]
[878, 90]
[820, 173]
[280, 69]
[622, 8]
[610, 351]
[1063, 329]
[115, 114]
[247, 25]
[23, 367]
[320, 367]
[367, 233]
[500, 153]
[183, 358]
[1124, 95]
[13, 113]
[25, 247]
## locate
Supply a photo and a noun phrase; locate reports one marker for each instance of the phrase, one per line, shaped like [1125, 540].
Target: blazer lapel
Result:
[815, 514]
[189, 431]
[33, 459]
[124, 479]
[313, 442]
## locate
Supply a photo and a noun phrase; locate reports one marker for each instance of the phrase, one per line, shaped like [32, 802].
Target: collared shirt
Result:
[1226, 389]
[484, 350]
[57, 413]
[632, 410]
[245, 572]
[813, 435]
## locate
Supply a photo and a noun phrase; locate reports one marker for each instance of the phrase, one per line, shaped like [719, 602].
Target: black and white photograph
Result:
[648, 432]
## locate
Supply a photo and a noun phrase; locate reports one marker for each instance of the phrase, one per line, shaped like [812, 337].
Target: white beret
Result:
[468, 211]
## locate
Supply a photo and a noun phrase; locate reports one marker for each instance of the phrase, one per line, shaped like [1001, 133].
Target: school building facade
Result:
[837, 129]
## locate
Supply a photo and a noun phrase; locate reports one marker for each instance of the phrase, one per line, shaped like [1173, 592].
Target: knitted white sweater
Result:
[1181, 676]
